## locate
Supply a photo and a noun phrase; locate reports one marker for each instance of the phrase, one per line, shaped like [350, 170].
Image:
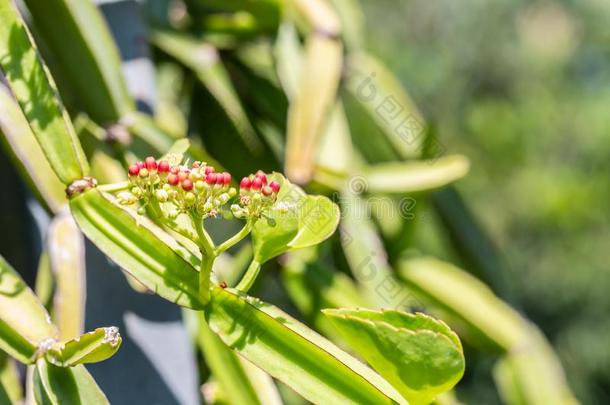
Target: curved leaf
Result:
[420, 356]
[27, 155]
[296, 221]
[140, 247]
[24, 323]
[294, 354]
[54, 385]
[83, 45]
[412, 177]
[35, 92]
[91, 347]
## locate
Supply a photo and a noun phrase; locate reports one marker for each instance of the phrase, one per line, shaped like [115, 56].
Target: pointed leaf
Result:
[420, 356]
[35, 92]
[91, 347]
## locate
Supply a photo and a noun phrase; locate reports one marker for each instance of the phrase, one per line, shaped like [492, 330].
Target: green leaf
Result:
[294, 354]
[91, 347]
[27, 155]
[66, 250]
[315, 93]
[420, 356]
[140, 247]
[467, 300]
[84, 48]
[226, 367]
[24, 323]
[35, 92]
[413, 177]
[11, 391]
[296, 221]
[54, 385]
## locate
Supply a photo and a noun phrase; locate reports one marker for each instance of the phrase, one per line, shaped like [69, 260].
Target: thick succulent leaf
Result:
[532, 375]
[83, 46]
[312, 104]
[467, 300]
[227, 368]
[35, 92]
[11, 391]
[296, 221]
[24, 323]
[420, 356]
[54, 385]
[27, 155]
[91, 347]
[143, 249]
[413, 177]
[66, 250]
[293, 353]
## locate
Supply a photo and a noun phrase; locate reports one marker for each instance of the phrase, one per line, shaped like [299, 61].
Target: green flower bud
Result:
[162, 195]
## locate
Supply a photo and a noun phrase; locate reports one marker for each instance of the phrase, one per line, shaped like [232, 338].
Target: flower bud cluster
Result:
[195, 188]
[256, 194]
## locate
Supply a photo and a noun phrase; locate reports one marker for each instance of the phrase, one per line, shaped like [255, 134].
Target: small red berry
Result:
[226, 178]
[182, 176]
[209, 169]
[173, 179]
[275, 186]
[210, 178]
[174, 170]
[245, 183]
[163, 166]
[267, 191]
[151, 163]
[257, 183]
[187, 185]
[134, 170]
[140, 165]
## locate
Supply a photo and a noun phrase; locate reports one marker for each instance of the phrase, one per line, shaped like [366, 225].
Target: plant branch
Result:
[235, 238]
[248, 279]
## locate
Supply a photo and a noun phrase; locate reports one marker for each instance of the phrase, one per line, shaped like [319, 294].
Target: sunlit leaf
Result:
[420, 356]
[91, 347]
[54, 385]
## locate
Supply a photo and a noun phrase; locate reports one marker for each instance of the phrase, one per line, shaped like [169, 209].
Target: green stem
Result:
[235, 238]
[206, 245]
[248, 279]
[114, 187]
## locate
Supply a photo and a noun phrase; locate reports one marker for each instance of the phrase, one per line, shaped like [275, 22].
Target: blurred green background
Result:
[521, 88]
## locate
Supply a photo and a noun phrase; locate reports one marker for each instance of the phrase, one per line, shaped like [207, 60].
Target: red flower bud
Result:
[209, 169]
[187, 185]
[226, 178]
[173, 179]
[134, 170]
[140, 165]
[151, 163]
[182, 176]
[257, 183]
[220, 178]
[267, 191]
[174, 170]
[245, 183]
[261, 175]
[210, 178]
[275, 186]
[163, 166]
